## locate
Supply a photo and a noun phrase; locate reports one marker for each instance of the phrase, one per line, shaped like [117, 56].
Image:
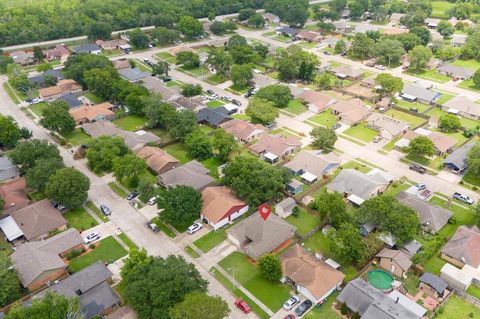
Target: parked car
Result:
[418, 168]
[91, 238]
[304, 306]
[153, 227]
[336, 125]
[243, 306]
[194, 228]
[236, 102]
[132, 195]
[247, 95]
[421, 186]
[61, 207]
[290, 316]
[210, 92]
[377, 139]
[463, 198]
[380, 67]
[34, 100]
[105, 210]
[226, 98]
[167, 79]
[326, 52]
[152, 200]
[146, 60]
[292, 301]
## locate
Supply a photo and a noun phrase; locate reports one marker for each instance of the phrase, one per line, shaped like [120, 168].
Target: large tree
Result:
[323, 138]
[4, 61]
[56, 118]
[361, 47]
[163, 35]
[99, 30]
[77, 64]
[449, 123]
[159, 114]
[188, 59]
[9, 132]
[190, 27]
[38, 176]
[220, 60]
[101, 81]
[198, 144]
[138, 39]
[51, 306]
[388, 51]
[471, 49]
[473, 160]
[423, 33]
[128, 167]
[389, 85]
[102, 152]
[296, 15]
[295, 63]
[68, 186]
[261, 111]
[28, 152]
[419, 57]
[346, 243]
[241, 74]
[198, 305]
[331, 206]
[421, 146]
[280, 95]
[270, 267]
[9, 283]
[223, 144]
[181, 206]
[476, 79]
[183, 123]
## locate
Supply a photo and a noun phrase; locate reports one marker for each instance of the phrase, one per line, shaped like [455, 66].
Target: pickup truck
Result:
[463, 198]
[418, 168]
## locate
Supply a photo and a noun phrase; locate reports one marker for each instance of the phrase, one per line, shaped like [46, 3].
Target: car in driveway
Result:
[302, 309]
[291, 302]
[91, 238]
[418, 168]
[377, 139]
[210, 92]
[194, 228]
[105, 210]
[243, 306]
[336, 125]
[152, 201]
[463, 198]
[421, 186]
[132, 195]
[153, 227]
[236, 102]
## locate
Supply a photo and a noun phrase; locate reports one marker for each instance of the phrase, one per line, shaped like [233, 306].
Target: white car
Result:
[194, 228]
[152, 201]
[380, 67]
[290, 303]
[91, 238]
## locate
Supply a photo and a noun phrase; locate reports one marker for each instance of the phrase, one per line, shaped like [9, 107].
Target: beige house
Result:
[87, 113]
[63, 87]
[388, 128]
[273, 147]
[316, 101]
[243, 131]
[463, 106]
[395, 261]
[350, 112]
[157, 159]
[463, 248]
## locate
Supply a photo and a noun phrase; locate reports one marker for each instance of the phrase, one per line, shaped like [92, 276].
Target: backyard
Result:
[326, 119]
[440, 8]
[467, 123]
[304, 222]
[414, 121]
[420, 107]
[457, 307]
[361, 132]
[80, 219]
[179, 152]
[130, 122]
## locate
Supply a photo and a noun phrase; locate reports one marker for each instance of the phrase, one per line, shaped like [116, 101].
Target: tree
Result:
[262, 50]
[77, 64]
[37, 177]
[241, 74]
[388, 51]
[190, 27]
[421, 146]
[357, 9]
[68, 186]
[448, 52]
[419, 57]
[189, 90]
[129, 167]
[99, 31]
[101, 81]
[389, 84]
[198, 144]
[261, 111]
[337, 5]
[476, 79]
[9, 132]
[280, 95]
[56, 118]
[52, 306]
[9, 283]
[163, 35]
[181, 205]
[340, 47]
[449, 123]
[217, 27]
[38, 54]
[422, 33]
[473, 160]
[182, 124]
[188, 59]
[243, 54]
[197, 305]
[331, 206]
[138, 39]
[287, 69]
[294, 62]
[471, 49]
[296, 15]
[324, 138]
[4, 61]
[103, 150]
[159, 114]
[224, 144]
[324, 81]
[256, 21]
[347, 244]
[270, 267]
[254, 180]
[445, 28]
[28, 152]
[476, 212]
[361, 47]
[155, 287]
[244, 14]
[220, 60]
[409, 40]
[236, 41]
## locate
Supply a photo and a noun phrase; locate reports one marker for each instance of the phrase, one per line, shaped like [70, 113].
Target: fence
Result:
[469, 298]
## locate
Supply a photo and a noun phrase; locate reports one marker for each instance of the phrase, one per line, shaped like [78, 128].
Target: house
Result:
[242, 131]
[342, 26]
[432, 217]
[257, 237]
[285, 207]
[14, 195]
[90, 48]
[394, 31]
[157, 159]
[154, 84]
[313, 278]
[314, 163]
[228, 108]
[87, 114]
[287, 31]
[309, 36]
[389, 128]
[383, 104]
[63, 87]
[121, 64]
[212, 117]
[395, 18]
[350, 112]
[357, 186]
[272, 147]
[389, 308]
[358, 295]
[220, 206]
[463, 248]
[411, 247]
[432, 23]
[406, 302]
[457, 160]
[22, 57]
[347, 72]
[8, 170]
[40, 262]
[294, 187]
[432, 285]
[111, 44]
[463, 106]
[317, 102]
[71, 100]
[395, 261]
[182, 102]
[433, 63]
[91, 286]
[369, 82]
[443, 144]
[271, 18]
[133, 74]
[417, 93]
[458, 40]
[365, 27]
[59, 52]
[192, 174]
[459, 279]
[40, 80]
[456, 72]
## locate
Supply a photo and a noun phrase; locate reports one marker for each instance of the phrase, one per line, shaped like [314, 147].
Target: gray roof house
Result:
[313, 162]
[413, 92]
[212, 117]
[457, 160]
[463, 106]
[91, 48]
[456, 71]
[287, 31]
[387, 308]
[39, 80]
[358, 295]
[365, 27]
[154, 84]
[192, 174]
[437, 283]
[133, 75]
[71, 100]
[432, 217]
[7, 169]
[285, 207]
[458, 40]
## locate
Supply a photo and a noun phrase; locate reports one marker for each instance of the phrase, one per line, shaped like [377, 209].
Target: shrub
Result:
[344, 309]
[74, 253]
[295, 211]
[92, 246]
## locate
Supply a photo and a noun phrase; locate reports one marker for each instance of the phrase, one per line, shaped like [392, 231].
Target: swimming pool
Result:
[380, 279]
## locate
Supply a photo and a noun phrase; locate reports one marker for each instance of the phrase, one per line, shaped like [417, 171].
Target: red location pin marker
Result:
[264, 211]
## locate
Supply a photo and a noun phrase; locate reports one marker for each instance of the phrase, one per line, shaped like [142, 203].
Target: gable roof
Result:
[313, 162]
[354, 182]
[71, 100]
[56, 52]
[40, 79]
[14, 193]
[182, 102]
[287, 204]
[317, 99]
[458, 157]
[133, 74]
[213, 117]
[121, 64]
[309, 35]
[192, 174]
[218, 201]
[156, 85]
[275, 144]
[352, 109]
[433, 281]
[463, 104]
[358, 295]
[464, 245]
[91, 113]
[288, 30]
[241, 129]
[63, 86]
[305, 270]
[86, 48]
[442, 143]
[387, 308]
[420, 92]
[38, 219]
[456, 70]
[365, 27]
[431, 216]
[155, 157]
[400, 257]
[383, 122]
[348, 71]
[8, 170]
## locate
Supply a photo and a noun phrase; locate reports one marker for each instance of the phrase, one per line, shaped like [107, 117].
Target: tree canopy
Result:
[198, 305]
[68, 186]
[9, 131]
[421, 146]
[198, 144]
[449, 123]
[28, 152]
[57, 118]
[9, 283]
[261, 111]
[331, 206]
[102, 152]
[52, 306]
[280, 95]
[270, 267]
[38, 176]
[181, 205]
[323, 138]
[129, 167]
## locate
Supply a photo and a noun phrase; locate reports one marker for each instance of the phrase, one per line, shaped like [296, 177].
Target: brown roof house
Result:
[59, 52]
[313, 163]
[443, 144]
[111, 44]
[243, 132]
[122, 64]
[317, 102]
[87, 113]
[63, 87]
[309, 36]
[22, 57]
[463, 106]
[14, 193]
[463, 248]
[395, 261]
[40, 262]
[221, 206]
[347, 72]
[350, 112]
[389, 128]
[38, 220]
[258, 237]
[192, 174]
[272, 147]
[312, 277]
[157, 159]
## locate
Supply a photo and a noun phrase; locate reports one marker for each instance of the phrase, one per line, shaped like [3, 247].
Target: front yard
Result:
[80, 219]
[431, 75]
[78, 137]
[210, 240]
[295, 107]
[361, 132]
[414, 121]
[326, 119]
[130, 122]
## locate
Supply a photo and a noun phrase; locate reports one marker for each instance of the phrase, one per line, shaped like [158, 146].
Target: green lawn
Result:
[93, 98]
[166, 57]
[80, 219]
[282, 131]
[325, 311]
[394, 189]
[244, 117]
[273, 75]
[210, 240]
[468, 84]
[5, 247]
[272, 295]
[37, 195]
[217, 79]
[326, 119]
[108, 251]
[356, 165]
[469, 64]
[445, 97]
[307, 45]
[174, 83]
[420, 107]
[414, 121]
[96, 210]
[361, 132]
[117, 189]
[214, 104]
[471, 179]
[78, 137]
[457, 307]
[474, 291]
[295, 106]
[127, 241]
[282, 38]
[196, 71]
[431, 75]
[239, 90]
[304, 222]
[440, 8]
[130, 122]
[164, 227]
[467, 123]
[162, 133]
[189, 250]
[38, 108]
[212, 164]
[436, 163]
[179, 152]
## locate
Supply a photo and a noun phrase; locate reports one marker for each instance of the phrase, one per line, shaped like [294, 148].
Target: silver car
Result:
[291, 302]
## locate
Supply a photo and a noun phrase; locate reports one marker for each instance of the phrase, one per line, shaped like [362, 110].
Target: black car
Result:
[304, 306]
[132, 195]
[166, 79]
[248, 94]
[210, 92]
[236, 102]
[153, 227]
[418, 168]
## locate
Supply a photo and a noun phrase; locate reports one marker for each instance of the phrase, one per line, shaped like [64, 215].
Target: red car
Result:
[243, 306]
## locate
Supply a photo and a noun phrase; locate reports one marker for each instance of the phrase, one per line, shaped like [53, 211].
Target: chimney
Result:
[78, 292]
[398, 298]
